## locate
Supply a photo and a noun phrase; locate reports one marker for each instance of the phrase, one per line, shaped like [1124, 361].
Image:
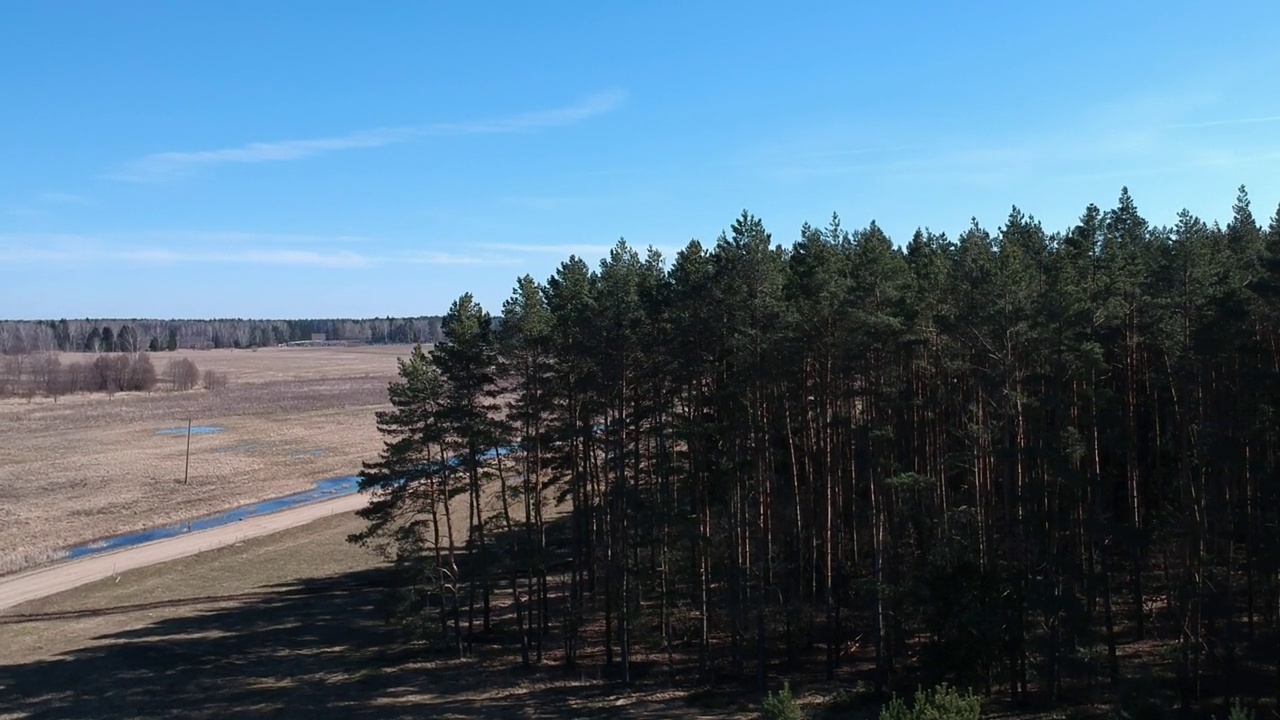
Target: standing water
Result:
[323, 490]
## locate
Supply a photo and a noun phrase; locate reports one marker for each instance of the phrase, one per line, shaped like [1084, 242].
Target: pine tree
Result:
[467, 362]
[1001, 458]
[408, 514]
[526, 345]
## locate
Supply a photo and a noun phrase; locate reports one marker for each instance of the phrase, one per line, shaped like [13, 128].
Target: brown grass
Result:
[288, 625]
[89, 466]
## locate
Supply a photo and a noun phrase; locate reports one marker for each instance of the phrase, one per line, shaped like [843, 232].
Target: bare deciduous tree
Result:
[142, 374]
[111, 372]
[11, 374]
[214, 380]
[77, 377]
[47, 369]
[183, 374]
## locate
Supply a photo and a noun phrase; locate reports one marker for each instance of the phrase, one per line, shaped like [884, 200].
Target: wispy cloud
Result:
[64, 198]
[40, 206]
[165, 256]
[568, 249]
[18, 211]
[270, 256]
[586, 251]
[1129, 136]
[1231, 121]
[169, 165]
[543, 203]
[224, 237]
[585, 109]
[145, 249]
[439, 258]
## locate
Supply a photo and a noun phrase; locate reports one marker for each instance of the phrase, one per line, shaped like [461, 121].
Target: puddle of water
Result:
[456, 461]
[318, 452]
[323, 490]
[195, 430]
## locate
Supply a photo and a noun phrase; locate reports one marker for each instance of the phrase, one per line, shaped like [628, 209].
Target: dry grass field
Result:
[287, 625]
[89, 466]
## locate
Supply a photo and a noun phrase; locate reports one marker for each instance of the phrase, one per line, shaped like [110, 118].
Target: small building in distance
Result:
[318, 337]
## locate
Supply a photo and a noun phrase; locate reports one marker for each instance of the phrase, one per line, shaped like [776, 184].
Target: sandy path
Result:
[46, 581]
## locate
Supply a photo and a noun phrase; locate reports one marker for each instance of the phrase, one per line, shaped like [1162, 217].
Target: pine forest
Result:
[1035, 464]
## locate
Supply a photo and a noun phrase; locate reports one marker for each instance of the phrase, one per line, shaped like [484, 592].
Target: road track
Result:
[58, 577]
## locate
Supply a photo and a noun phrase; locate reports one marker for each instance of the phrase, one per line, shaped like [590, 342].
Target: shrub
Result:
[1240, 712]
[941, 703]
[110, 372]
[142, 374]
[77, 377]
[214, 380]
[781, 705]
[183, 373]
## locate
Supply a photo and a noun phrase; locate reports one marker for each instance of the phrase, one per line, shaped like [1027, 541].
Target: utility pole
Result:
[187, 467]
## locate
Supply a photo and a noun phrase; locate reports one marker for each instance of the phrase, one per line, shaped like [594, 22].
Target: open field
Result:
[51, 579]
[293, 625]
[287, 625]
[89, 466]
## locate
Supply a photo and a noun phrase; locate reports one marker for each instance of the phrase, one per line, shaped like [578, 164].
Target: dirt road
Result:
[46, 581]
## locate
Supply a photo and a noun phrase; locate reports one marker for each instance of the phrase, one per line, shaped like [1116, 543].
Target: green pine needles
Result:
[782, 705]
[940, 703]
[1240, 712]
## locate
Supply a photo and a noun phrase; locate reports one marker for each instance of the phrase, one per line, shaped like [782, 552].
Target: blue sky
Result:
[259, 159]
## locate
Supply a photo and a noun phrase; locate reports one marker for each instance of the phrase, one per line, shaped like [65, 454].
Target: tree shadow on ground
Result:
[315, 648]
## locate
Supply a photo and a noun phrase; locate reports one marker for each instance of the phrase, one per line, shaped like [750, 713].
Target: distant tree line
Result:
[128, 336]
[45, 374]
[992, 460]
